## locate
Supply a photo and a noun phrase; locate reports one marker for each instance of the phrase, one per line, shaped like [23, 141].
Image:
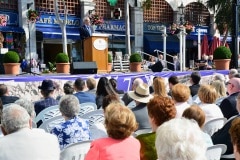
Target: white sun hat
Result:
[141, 94]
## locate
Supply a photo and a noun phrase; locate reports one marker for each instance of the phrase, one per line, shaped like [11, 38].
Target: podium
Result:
[96, 49]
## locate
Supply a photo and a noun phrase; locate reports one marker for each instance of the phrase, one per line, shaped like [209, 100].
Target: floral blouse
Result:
[72, 131]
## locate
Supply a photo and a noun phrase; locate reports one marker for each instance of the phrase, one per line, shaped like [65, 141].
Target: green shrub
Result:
[11, 57]
[62, 58]
[135, 57]
[222, 52]
[109, 58]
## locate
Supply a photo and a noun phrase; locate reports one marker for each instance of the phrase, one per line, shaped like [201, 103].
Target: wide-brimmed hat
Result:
[141, 94]
[47, 85]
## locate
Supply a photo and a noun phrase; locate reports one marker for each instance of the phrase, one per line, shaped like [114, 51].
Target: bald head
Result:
[233, 85]
[136, 83]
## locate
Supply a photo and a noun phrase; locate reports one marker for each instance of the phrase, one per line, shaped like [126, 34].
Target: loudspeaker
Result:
[84, 68]
[157, 67]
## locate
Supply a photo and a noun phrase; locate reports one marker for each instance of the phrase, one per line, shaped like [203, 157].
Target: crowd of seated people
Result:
[151, 111]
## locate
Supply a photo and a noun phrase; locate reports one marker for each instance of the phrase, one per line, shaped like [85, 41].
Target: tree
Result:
[62, 23]
[223, 15]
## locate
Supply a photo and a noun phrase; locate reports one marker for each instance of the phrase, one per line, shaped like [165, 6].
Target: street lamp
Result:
[182, 37]
[181, 10]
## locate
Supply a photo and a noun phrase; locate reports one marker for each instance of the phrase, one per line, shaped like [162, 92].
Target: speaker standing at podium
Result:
[85, 31]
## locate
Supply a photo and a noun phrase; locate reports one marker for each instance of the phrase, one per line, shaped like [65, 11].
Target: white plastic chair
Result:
[48, 113]
[49, 124]
[118, 55]
[228, 156]
[142, 131]
[94, 117]
[213, 125]
[76, 151]
[86, 107]
[214, 152]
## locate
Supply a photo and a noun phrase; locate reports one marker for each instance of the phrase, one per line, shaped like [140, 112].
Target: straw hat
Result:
[141, 94]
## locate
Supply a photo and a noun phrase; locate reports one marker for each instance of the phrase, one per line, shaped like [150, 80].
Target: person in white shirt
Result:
[23, 143]
[208, 95]
[180, 95]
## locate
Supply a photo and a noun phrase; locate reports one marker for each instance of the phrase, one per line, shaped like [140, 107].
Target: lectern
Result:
[96, 49]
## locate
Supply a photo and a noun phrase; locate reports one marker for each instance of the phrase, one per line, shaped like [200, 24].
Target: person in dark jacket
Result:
[47, 90]
[228, 105]
[4, 95]
[222, 136]
[195, 80]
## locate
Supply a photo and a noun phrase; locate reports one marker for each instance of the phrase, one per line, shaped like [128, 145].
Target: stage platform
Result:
[26, 86]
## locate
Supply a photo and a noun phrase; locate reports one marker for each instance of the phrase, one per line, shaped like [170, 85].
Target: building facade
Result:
[44, 37]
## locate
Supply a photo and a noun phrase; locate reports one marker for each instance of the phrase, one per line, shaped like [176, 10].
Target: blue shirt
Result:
[72, 131]
[84, 97]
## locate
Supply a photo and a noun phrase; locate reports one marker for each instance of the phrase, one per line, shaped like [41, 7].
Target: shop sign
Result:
[51, 20]
[202, 29]
[8, 18]
[153, 27]
[118, 26]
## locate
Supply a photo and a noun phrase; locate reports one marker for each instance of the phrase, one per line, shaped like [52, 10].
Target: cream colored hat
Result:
[141, 94]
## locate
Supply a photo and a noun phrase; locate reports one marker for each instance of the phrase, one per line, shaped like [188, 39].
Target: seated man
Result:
[91, 85]
[21, 142]
[201, 64]
[136, 82]
[83, 97]
[4, 95]
[222, 136]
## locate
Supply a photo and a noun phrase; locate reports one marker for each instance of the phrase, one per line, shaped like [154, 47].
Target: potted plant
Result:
[32, 15]
[135, 62]
[62, 63]
[109, 62]
[222, 57]
[11, 63]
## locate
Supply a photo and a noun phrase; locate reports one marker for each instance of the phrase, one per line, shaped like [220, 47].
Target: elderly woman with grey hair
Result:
[74, 129]
[180, 139]
[28, 105]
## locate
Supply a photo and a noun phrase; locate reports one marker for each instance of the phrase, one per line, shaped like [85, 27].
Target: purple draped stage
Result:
[124, 80]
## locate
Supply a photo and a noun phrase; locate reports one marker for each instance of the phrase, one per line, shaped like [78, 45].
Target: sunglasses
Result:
[228, 83]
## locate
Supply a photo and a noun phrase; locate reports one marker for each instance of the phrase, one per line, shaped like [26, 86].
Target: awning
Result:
[56, 33]
[152, 42]
[11, 29]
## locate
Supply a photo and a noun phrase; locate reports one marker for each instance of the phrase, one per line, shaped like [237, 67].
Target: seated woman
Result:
[208, 96]
[196, 113]
[157, 106]
[113, 82]
[180, 139]
[104, 88]
[74, 129]
[98, 130]
[159, 87]
[180, 96]
[221, 90]
[120, 123]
